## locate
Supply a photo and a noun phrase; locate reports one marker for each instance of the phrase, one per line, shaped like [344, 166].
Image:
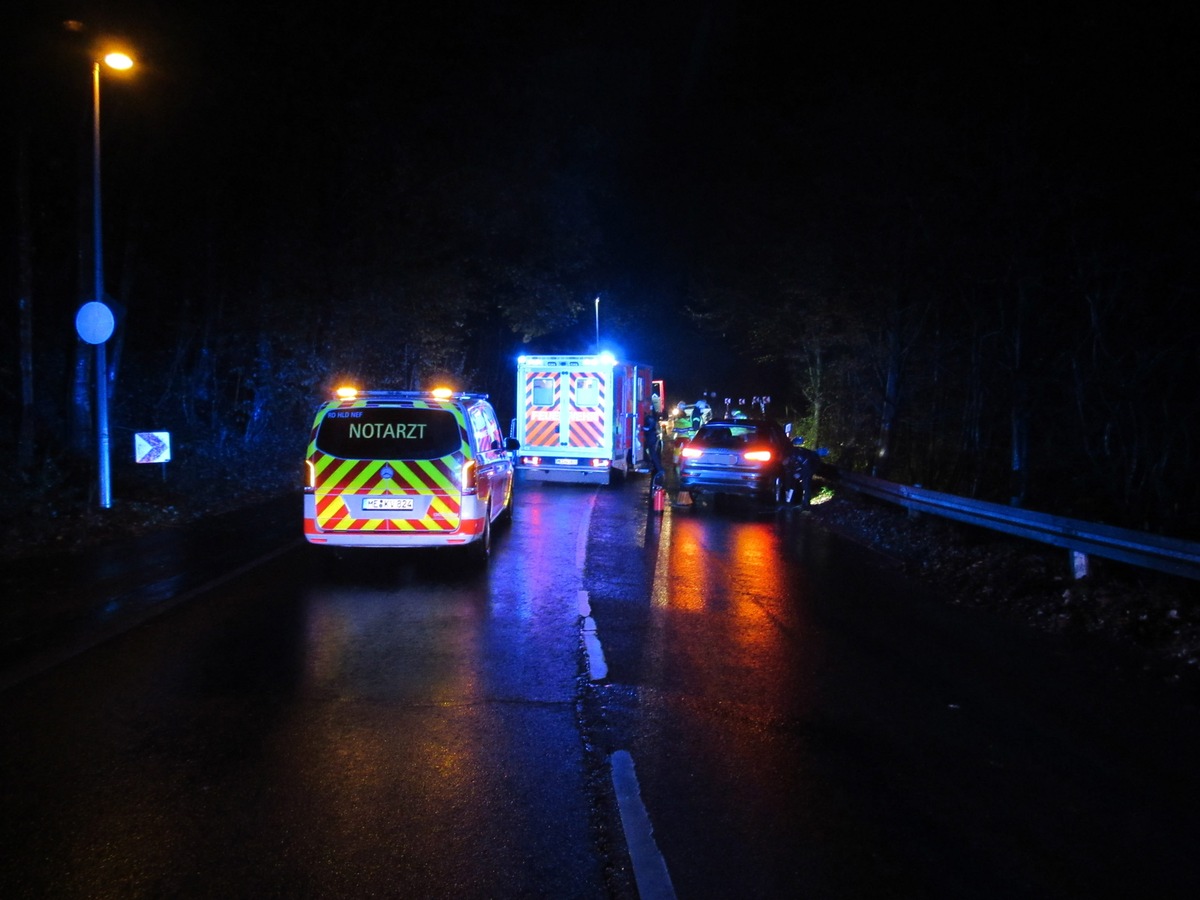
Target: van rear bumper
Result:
[394, 539]
[567, 474]
[469, 530]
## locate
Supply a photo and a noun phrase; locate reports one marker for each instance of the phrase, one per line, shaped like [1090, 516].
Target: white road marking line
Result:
[649, 867]
[597, 667]
[582, 537]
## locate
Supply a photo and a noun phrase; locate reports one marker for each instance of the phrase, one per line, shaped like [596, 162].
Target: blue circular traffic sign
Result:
[94, 322]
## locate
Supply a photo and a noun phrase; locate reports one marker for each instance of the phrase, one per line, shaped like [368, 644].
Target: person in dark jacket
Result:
[652, 440]
[803, 467]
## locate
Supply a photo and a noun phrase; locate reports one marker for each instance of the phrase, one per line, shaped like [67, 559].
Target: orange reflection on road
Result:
[728, 664]
[757, 592]
[690, 575]
[680, 569]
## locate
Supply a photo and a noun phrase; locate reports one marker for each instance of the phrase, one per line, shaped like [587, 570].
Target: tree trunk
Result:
[81, 419]
[1019, 456]
[813, 387]
[1020, 413]
[891, 399]
[26, 437]
[972, 432]
[81, 403]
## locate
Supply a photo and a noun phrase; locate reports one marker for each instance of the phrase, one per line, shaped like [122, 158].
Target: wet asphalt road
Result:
[801, 721]
[383, 725]
[807, 723]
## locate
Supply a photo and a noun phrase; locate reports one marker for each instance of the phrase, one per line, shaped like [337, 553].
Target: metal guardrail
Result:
[1150, 551]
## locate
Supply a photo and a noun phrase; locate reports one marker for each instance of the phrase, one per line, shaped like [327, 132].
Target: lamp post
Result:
[94, 322]
[597, 324]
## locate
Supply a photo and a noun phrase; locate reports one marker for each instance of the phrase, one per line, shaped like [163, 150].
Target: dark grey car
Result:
[744, 457]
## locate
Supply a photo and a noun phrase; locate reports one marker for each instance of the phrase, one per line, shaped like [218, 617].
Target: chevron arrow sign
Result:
[152, 447]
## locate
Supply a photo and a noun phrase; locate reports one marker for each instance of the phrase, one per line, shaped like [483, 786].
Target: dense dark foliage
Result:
[965, 257]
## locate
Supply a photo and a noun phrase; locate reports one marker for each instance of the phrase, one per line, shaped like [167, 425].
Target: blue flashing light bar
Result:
[555, 361]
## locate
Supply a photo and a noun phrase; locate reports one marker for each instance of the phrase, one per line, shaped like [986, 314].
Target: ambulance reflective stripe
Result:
[587, 421]
[541, 422]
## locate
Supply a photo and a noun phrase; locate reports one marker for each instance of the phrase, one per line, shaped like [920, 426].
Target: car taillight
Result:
[690, 452]
[758, 455]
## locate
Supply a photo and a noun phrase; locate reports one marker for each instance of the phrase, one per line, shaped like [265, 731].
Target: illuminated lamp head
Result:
[442, 393]
[347, 392]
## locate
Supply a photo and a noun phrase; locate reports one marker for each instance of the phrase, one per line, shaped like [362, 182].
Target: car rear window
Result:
[389, 432]
[726, 435]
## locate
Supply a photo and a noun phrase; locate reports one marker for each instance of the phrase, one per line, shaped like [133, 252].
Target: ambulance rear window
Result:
[543, 392]
[389, 432]
[587, 392]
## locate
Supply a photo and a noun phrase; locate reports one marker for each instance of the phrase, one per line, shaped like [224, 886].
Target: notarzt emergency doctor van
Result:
[407, 469]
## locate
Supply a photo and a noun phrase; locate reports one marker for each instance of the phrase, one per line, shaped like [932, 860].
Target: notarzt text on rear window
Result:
[390, 432]
[412, 432]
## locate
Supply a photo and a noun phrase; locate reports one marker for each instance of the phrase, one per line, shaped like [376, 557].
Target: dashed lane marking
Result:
[649, 867]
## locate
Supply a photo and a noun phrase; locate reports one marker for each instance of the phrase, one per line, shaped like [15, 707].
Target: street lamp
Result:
[94, 322]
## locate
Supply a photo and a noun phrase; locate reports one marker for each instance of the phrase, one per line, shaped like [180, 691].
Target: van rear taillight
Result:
[469, 477]
[310, 476]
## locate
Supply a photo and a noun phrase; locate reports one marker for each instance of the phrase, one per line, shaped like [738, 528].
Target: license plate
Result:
[378, 503]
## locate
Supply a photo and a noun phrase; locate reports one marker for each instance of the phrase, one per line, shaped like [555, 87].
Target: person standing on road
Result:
[805, 464]
[652, 440]
[681, 431]
[683, 421]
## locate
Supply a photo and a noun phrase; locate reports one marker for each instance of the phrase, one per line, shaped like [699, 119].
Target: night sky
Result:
[670, 127]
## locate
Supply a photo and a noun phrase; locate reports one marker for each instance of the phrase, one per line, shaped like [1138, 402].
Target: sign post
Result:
[94, 323]
[152, 447]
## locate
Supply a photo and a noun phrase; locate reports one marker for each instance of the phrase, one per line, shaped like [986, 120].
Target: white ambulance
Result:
[578, 416]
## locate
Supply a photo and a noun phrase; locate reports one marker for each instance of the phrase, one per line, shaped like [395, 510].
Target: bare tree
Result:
[25, 290]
